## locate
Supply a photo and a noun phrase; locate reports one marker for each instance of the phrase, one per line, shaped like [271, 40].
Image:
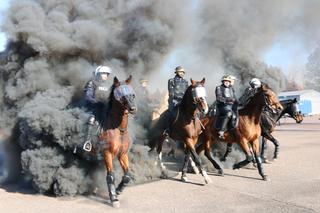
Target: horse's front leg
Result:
[185, 166]
[124, 162]
[249, 158]
[255, 147]
[190, 146]
[110, 178]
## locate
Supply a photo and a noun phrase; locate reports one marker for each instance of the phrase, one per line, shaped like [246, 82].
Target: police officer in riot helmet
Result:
[226, 101]
[176, 88]
[96, 94]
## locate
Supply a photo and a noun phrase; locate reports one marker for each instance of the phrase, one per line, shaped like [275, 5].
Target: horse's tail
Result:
[157, 128]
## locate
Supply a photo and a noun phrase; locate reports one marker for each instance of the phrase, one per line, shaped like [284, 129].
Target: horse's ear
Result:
[202, 81]
[193, 82]
[128, 81]
[116, 81]
[295, 100]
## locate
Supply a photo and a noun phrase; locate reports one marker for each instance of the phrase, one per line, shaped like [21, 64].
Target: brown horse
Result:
[115, 135]
[186, 127]
[247, 131]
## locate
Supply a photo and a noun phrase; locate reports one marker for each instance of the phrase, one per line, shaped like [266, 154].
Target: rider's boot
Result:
[224, 123]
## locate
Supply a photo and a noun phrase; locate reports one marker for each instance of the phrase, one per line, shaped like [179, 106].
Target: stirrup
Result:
[221, 134]
[87, 146]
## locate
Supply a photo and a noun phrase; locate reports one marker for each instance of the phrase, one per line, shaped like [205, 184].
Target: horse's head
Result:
[270, 98]
[199, 95]
[293, 110]
[124, 94]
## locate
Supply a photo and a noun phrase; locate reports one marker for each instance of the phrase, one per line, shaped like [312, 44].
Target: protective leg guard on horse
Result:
[111, 187]
[260, 167]
[124, 182]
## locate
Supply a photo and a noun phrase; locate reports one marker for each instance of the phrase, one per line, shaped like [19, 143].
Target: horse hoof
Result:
[235, 166]
[266, 161]
[116, 204]
[265, 178]
[207, 180]
[184, 179]
[164, 175]
[220, 172]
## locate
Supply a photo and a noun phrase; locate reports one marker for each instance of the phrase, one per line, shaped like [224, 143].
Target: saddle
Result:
[233, 118]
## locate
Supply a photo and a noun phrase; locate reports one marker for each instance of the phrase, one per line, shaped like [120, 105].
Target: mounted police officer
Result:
[176, 88]
[96, 94]
[226, 103]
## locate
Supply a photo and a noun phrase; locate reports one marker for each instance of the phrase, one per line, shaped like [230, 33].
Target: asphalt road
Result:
[294, 186]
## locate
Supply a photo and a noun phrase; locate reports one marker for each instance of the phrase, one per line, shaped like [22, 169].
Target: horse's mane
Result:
[185, 97]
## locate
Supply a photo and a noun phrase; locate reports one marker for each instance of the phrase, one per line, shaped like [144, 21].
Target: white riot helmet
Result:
[255, 83]
[101, 70]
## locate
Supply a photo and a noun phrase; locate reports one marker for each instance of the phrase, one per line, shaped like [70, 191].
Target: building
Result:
[309, 100]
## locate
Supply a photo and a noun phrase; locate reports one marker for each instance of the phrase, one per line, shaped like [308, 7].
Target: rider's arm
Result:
[171, 88]
[89, 93]
[219, 96]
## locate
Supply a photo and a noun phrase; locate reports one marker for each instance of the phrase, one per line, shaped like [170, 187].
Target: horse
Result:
[246, 132]
[115, 135]
[268, 123]
[186, 127]
[269, 118]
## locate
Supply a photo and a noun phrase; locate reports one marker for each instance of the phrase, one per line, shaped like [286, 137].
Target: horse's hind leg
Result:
[228, 150]
[216, 165]
[124, 162]
[110, 179]
[276, 145]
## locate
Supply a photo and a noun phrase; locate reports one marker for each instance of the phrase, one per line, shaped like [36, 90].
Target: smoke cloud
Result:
[54, 45]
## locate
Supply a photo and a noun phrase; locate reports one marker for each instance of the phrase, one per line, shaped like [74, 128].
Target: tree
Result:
[312, 75]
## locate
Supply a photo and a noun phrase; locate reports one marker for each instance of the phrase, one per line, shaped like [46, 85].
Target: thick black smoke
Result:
[54, 45]
[53, 48]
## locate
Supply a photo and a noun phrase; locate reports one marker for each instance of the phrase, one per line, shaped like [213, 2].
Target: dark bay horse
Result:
[269, 118]
[186, 127]
[247, 131]
[115, 135]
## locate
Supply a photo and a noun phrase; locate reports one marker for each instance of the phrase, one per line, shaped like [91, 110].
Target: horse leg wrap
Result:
[260, 168]
[276, 150]
[124, 182]
[111, 187]
[248, 159]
